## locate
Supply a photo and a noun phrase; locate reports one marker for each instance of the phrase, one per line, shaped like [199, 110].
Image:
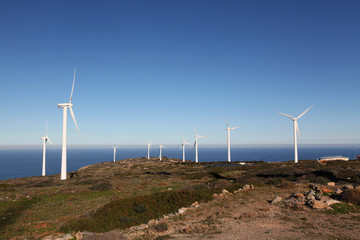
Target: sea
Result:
[27, 162]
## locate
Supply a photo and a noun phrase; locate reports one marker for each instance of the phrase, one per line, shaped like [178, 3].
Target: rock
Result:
[182, 210]
[318, 196]
[50, 237]
[225, 191]
[169, 189]
[171, 215]
[195, 204]
[252, 186]
[331, 202]
[326, 190]
[215, 195]
[276, 200]
[347, 187]
[338, 191]
[357, 187]
[67, 237]
[79, 236]
[318, 205]
[331, 184]
[246, 187]
[152, 222]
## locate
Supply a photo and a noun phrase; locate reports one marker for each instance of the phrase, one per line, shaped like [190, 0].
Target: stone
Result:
[246, 187]
[347, 187]
[195, 204]
[225, 191]
[67, 237]
[182, 210]
[357, 187]
[338, 191]
[50, 237]
[79, 236]
[331, 184]
[318, 205]
[252, 186]
[331, 202]
[169, 189]
[276, 200]
[215, 195]
[326, 190]
[318, 196]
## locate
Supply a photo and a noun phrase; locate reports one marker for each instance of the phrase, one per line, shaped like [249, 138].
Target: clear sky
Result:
[150, 70]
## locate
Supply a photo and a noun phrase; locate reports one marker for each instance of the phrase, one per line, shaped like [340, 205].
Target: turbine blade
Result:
[117, 146]
[304, 112]
[226, 123]
[286, 115]
[195, 130]
[72, 89]
[202, 136]
[194, 143]
[234, 128]
[73, 117]
[49, 140]
[46, 129]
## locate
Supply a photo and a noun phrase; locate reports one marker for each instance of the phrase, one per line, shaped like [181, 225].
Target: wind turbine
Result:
[65, 106]
[161, 147]
[149, 147]
[114, 147]
[184, 143]
[228, 138]
[45, 139]
[196, 145]
[296, 130]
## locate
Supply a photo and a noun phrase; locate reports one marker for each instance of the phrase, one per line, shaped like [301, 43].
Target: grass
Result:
[343, 208]
[35, 207]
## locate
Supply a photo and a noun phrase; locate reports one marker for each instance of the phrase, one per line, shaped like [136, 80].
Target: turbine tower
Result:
[65, 106]
[149, 147]
[45, 139]
[296, 130]
[184, 143]
[196, 145]
[161, 147]
[114, 147]
[228, 138]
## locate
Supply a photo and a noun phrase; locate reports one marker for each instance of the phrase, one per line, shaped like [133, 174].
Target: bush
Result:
[161, 227]
[127, 212]
[351, 196]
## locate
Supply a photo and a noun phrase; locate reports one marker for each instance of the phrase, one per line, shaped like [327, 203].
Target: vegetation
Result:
[111, 195]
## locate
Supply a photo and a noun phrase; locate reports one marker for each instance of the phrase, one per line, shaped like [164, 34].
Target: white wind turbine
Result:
[115, 147]
[149, 147]
[296, 130]
[196, 145]
[161, 147]
[65, 106]
[45, 139]
[228, 138]
[184, 143]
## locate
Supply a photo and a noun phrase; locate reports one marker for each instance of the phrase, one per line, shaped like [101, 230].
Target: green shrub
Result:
[127, 212]
[161, 227]
[351, 196]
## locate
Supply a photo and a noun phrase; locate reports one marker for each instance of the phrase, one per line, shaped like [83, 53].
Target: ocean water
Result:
[16, 163]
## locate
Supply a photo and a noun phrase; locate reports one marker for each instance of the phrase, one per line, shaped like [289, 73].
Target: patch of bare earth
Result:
[249, 215]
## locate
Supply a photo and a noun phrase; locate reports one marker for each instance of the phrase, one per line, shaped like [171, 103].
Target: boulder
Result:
[246, 187]
[347, 187]
[318, 205]
[331, 202]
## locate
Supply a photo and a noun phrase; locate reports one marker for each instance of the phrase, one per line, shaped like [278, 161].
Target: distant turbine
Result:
[183, 145]
[114, 147]
[149, 147]
[228, 138]
[296, 130]
[196, 145]
[65, 106]
[45, 139]
[161, 147]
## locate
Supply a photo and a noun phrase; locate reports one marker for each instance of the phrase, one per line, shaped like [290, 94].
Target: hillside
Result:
[313, 201]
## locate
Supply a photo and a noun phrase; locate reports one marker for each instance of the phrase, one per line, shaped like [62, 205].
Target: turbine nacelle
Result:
[65, 105]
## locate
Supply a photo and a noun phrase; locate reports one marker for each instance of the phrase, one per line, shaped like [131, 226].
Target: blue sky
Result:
[150, 70]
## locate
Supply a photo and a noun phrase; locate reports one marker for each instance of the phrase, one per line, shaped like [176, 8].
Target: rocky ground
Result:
[310, 201]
